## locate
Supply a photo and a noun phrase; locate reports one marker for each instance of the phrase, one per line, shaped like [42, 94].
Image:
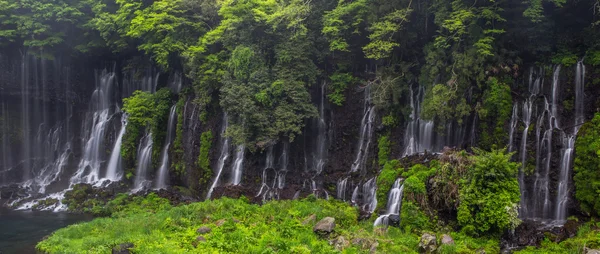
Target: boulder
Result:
[428, 243]
[340, 243]
[394, 220]
[447, 240]
[203, 230]
[326, 225]
[122, 248]
[591, 251]
[311, 219]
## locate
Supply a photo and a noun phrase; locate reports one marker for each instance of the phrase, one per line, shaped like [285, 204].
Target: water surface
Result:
[20, 231]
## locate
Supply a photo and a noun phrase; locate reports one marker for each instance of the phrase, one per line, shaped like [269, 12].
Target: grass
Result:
[276, 227]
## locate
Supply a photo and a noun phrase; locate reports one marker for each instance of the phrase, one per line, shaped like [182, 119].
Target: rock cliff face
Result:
[50, 115]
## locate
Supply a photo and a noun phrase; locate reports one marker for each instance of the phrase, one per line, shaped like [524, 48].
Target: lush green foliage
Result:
[415, 183]
[203, 162]
[588, 236]
[276, 227]
[490, 194]
[495, 112]
[178, 153]
[150, 112]
[385, 145]
[337, 87]
[443, 103]
[586, 166]
[391, 171]
[84, 198]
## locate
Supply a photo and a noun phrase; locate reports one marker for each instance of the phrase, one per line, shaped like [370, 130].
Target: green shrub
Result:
[489, 194]
[146, 110]
[384, 145]
[587, 166]
[413, 219]
[391, 171]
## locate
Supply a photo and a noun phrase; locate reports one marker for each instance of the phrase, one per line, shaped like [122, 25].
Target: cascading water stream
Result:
[114, 169]
[225, 152]
[369, 193]
[419, 133]
[320, 155]
[265, 188]
[393, 205]
[273, 183]
[514, 121]
[163, 171]
[96, 123]
[562, 196]
[366, 133]
[144, 163]
[238, 165]
[341, 189]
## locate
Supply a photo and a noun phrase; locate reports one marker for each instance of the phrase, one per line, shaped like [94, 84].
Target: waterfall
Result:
[95, 125]
[568, 142]
[265, 188]
[562, 196]
[514, 120]
[393, 205]
[320, 155]
[238, 165]
[370, 195]
[366, 197]
[53, 168]
[225, 150]
[341, 188]
[527, 111]
[144, 163]
[538, 204]
[419, 133]
[366, 133]
[114, 169]
[579, 97]
[175, 83]
[283, 166]
[270, 187]
[6, 149]
[163, 171]
[25, 118]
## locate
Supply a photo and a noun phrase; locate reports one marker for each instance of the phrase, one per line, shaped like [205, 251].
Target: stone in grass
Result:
[591, 251]
[340, 243]
[203, 230]
[428, 243]
[311, 219]
[199, 239]
[122, 248]
[220, 222]
[326, 225]
[447, 240]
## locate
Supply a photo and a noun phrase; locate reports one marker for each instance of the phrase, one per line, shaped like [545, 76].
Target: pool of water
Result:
[20, 231]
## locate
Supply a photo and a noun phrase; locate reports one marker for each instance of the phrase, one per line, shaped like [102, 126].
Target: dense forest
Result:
[473, 120]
